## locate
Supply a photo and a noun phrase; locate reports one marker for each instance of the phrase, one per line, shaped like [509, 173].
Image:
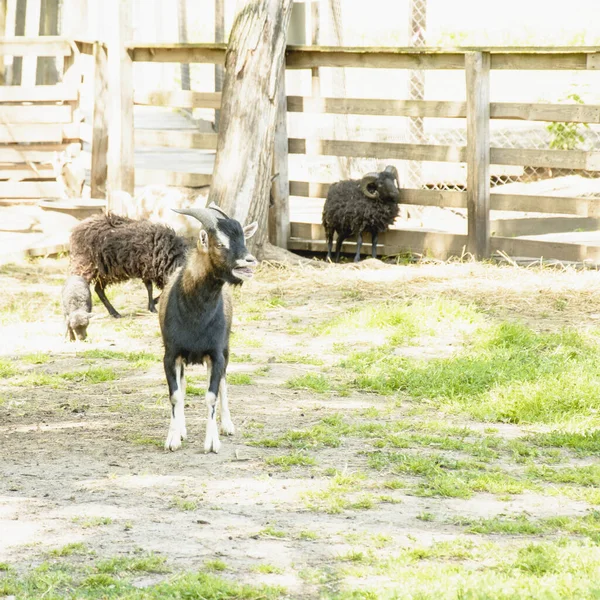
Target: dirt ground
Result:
[81, 432]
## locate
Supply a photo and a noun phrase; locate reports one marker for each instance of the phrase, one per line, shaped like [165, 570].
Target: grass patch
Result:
[185, 504]
[148, 563]
[267, 569]
[7, 369]
[315, 382]
[287, 461]
[508, 372]
[89, 522]
[272, 532]
[139, 359]
[69, 550]
[38, 358]
[92, 375]
[339, 495]
[146, 440]
[298, 359]
[215, 566]
[239, 379]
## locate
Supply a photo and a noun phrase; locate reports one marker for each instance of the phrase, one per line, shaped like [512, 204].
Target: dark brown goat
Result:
[109, 249]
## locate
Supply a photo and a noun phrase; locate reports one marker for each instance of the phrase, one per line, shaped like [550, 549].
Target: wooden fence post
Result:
[279, 213]
[100, 123]
[121, 165]
[477, 65]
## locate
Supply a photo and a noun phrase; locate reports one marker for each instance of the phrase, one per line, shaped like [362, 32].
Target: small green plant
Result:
[567, 136]
[69, 549]
[267, 569]
[216, 565]
[270, 531]
[239, 379]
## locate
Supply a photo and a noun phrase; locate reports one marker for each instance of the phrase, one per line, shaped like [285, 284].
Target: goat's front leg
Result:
[227, 426]
[216, 371]
[359, 242]
[176, 382]
[374, 236]
[151, 300]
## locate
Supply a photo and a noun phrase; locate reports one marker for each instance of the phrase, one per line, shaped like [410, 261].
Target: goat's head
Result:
[382, 185]
[223, 241]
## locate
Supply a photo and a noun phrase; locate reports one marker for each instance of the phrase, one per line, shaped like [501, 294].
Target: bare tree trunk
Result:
[242, 174]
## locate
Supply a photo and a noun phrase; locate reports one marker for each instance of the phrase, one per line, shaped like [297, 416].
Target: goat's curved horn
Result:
[205, 216]
[364, 185]
[222, 213]
[392, 169]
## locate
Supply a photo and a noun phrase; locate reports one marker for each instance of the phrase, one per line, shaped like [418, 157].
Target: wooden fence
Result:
[38, 121]
[477, 154]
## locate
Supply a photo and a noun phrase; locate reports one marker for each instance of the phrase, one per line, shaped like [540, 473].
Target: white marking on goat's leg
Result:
[211, 441]
[227, 426]
[181, 384]
[177, 429]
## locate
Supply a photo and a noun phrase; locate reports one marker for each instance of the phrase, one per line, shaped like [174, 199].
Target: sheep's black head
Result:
[223, 241]
[382, 185]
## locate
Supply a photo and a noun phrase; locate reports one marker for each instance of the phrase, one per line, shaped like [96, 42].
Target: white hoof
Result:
[173, 441]
[227, 426]
[212, 442]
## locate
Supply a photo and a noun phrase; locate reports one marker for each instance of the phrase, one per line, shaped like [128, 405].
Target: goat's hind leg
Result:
[216, 372]
[176, 382]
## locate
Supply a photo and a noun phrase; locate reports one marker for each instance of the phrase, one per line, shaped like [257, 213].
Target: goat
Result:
[77, 307]
[355, 206]
[195, 315]
[109, 249]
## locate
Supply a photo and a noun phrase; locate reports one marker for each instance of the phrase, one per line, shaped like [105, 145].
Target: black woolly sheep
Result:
[354, 206]
[77, 307]
[109, 249]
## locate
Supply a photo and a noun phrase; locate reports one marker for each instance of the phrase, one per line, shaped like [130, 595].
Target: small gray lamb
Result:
[77, 307]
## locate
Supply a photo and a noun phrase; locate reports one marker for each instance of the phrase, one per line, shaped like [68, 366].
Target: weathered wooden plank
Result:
[177, 178]
[121, 167]
[87, 46]
[17, 115]
[47, 45]
[307, 57]
[31, 153]
[566, 205]
[433, 152]
[177, 99]
[543, 249]
[477, 66]
[17, 172]
[170, 138]
[279, 213]
[31, 133]
[566, 159]
[39, 93]
[178, 53]
[576, 113]
[99, 166]
[29, 189]
[541, 225]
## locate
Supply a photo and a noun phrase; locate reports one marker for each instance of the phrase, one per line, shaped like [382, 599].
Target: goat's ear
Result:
[203, 240]
[250, 230]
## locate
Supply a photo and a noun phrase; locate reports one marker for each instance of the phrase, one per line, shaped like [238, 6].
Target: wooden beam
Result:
[32, 153]
[177, 99]
[32, 133]
[20, 114]
[41, 93]
[17, 172]
[35, 46]
[477, 65]
[121, 170]
[434, 152]
[576, 113]
[29, 189]
[279, 213]
[176, 178]
[99, 170]
[564, 159]
[170, 138]
[178, 53]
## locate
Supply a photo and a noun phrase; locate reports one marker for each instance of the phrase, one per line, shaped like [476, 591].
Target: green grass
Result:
[148, 563]
[185, 504]
[339, 495]
[298, 359]
[216, 565]
[287, 461]
[89, 522]
[38, 358]
[28, 306]
[69, 549]
[507, 372]
[315, 382]
[239, 379]
[7, 369]
[91, 375]
[267, 569]
[138, 359]
[272, 532]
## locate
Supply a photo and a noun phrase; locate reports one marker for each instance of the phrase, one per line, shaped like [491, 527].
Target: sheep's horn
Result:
[364, 185]
[205, 216]
[392, 169]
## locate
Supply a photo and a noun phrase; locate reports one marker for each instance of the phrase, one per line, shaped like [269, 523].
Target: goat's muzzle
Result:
[244, 267]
